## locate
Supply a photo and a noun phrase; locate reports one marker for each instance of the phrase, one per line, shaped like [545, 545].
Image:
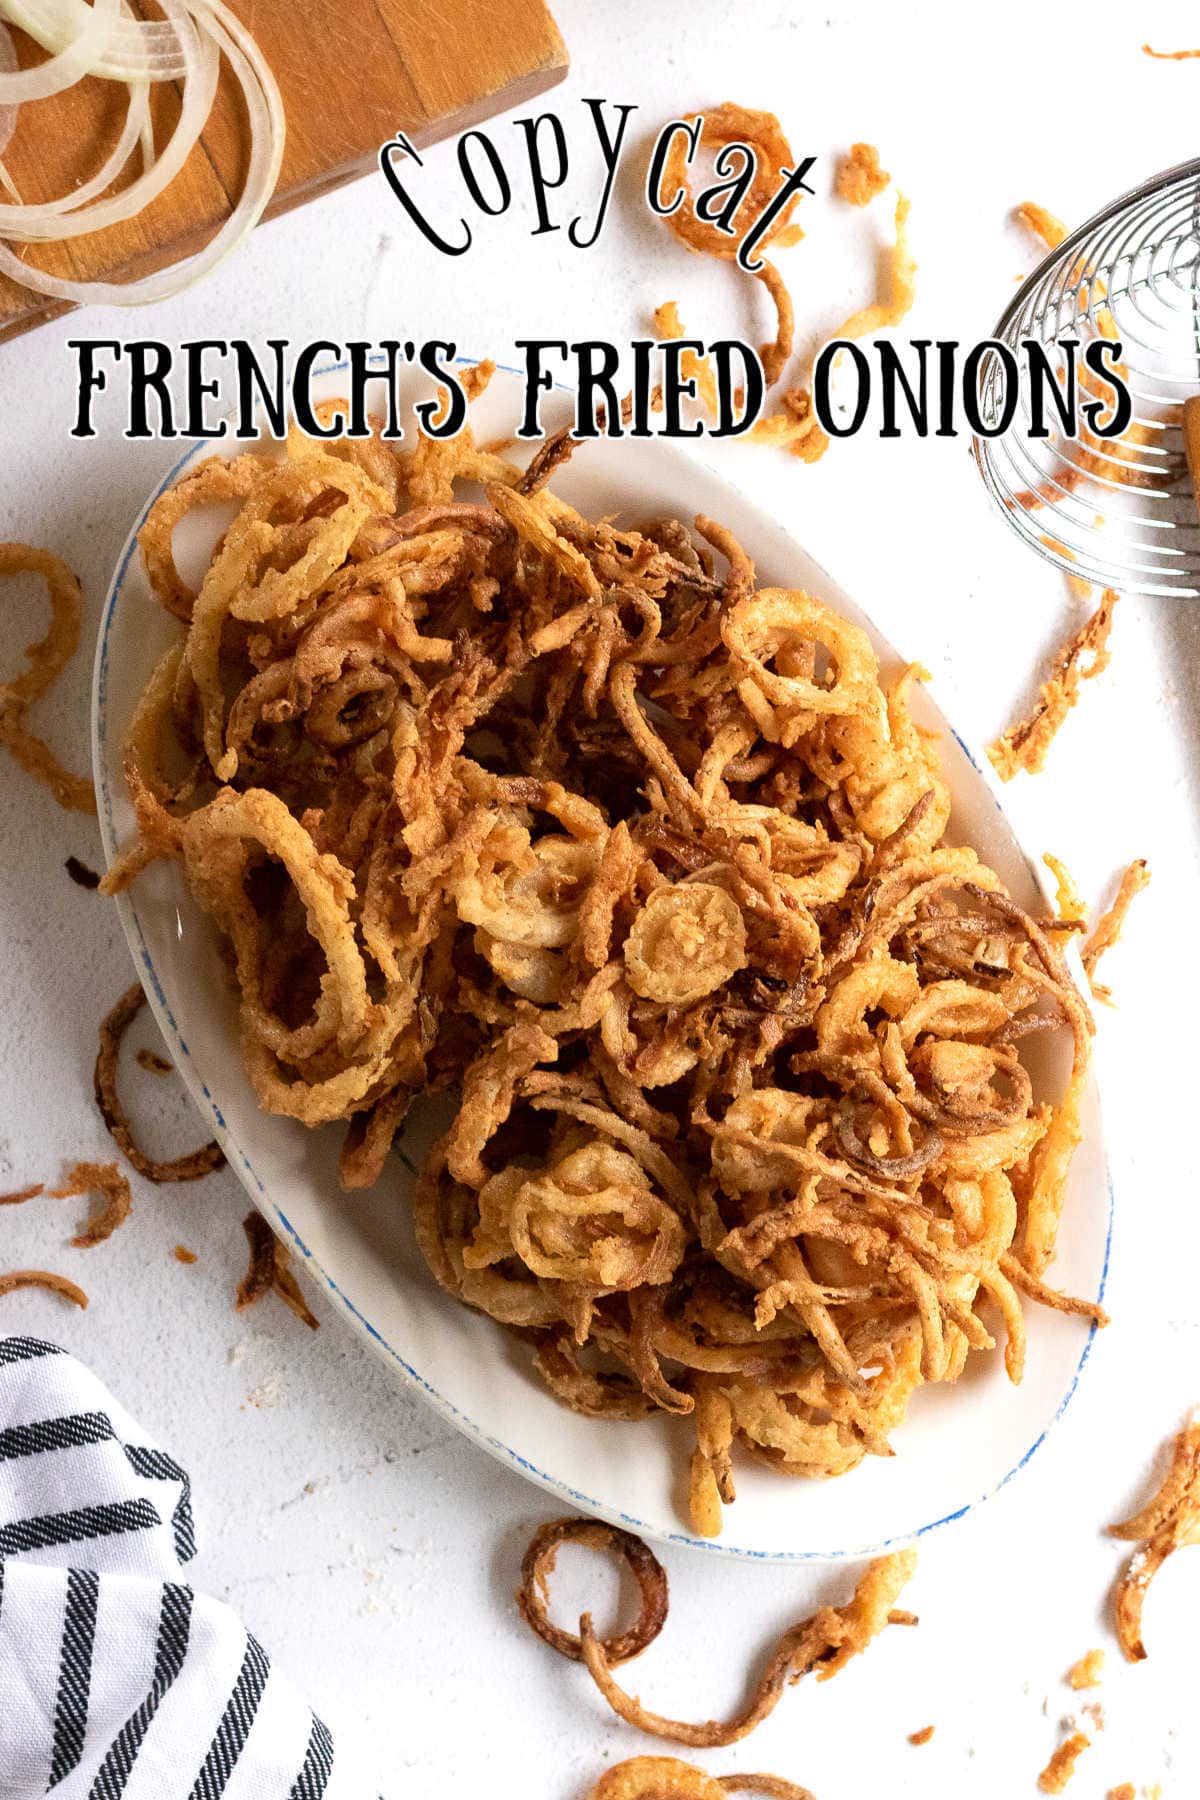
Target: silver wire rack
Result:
[1120, 512]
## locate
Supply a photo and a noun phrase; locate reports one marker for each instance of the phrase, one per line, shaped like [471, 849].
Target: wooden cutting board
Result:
[352, 73]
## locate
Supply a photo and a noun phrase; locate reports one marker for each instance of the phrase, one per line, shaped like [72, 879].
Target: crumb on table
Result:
[1059, 1770]
[859, 177]
[1086, 1673]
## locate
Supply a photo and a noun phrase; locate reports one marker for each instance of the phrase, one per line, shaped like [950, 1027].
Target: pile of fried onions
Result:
[643, 867]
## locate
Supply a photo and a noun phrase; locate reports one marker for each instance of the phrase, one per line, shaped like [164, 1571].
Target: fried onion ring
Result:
[112, 1029]
[537, 1566]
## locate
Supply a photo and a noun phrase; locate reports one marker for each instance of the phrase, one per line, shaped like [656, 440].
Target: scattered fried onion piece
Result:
[921, 1737]
[774, 1786]
[112, 1029]
[47, 659]
[775, 354]
[288, 1289]
[722, 126]
[859, 177]
[1109, 925]
[1169, 1522]
[537, 1566]
[260, 1276]
[57, 1284]
[97, 1178]
[1043, 224]
[1086, 655]
[1059, 1770]
[640, 868]
[1169, 55]
[1076, 585]
[182, 1254]
[825, 1642]
[666, 1778]
[1087, 1672]
[668, 327]
[1068, 899]
[80, 874]
[19, 1195]
[796, 427]
[269, 1272]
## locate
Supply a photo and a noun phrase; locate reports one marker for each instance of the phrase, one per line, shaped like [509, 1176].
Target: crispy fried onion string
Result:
[824, 1643]
[728, 125]
[97, 1178]
[1169, 1522]
[1085, 655]
[43, 1278]
[1108, 927]
[269, 1272]
[112, 1030]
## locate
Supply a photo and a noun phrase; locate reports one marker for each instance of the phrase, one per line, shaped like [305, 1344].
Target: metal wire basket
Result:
[1122, 512]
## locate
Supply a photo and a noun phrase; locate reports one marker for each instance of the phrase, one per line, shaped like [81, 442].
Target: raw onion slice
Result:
[8, 112]
[70, 64]
[136, 49]
[201, 31]
[66, 218]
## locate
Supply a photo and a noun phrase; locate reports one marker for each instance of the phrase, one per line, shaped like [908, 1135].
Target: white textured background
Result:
[373, 1550]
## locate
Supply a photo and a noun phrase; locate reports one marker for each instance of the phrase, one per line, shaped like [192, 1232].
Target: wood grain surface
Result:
[352, 73]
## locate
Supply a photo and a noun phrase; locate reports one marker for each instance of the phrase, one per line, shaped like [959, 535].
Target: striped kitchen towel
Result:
[117, 1682]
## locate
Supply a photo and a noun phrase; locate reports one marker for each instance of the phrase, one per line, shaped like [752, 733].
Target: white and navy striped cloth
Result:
[117, 1682]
